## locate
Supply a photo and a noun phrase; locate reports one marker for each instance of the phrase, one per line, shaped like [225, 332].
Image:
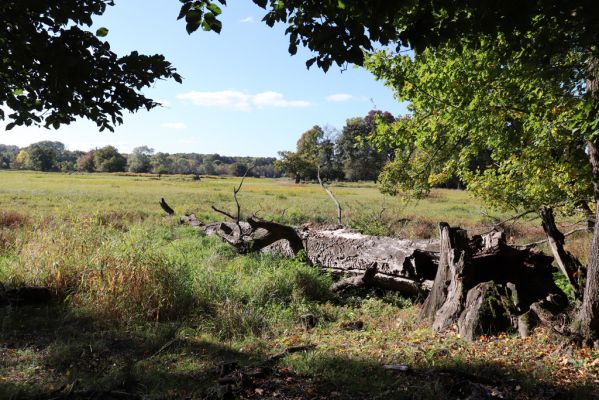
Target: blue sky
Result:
[242, 93]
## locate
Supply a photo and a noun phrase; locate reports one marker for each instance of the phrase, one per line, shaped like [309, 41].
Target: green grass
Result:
[151, 307]
[135, 197]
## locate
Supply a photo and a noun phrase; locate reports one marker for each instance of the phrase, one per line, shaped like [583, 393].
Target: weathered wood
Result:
[569, 265]
[438, 294]
[468, 279]
[484, 286]
[167, 209]
[254, 235]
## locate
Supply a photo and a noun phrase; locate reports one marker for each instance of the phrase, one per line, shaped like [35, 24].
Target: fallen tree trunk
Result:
[479, 285]
[407, 266]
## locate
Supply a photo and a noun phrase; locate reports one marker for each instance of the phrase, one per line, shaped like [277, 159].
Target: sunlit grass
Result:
[152, 307]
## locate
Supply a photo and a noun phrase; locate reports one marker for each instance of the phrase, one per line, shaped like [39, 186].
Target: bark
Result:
[254, 235]
[569, 265]
[484, 286]
[588, 316]
[167, 209]
[448, 237]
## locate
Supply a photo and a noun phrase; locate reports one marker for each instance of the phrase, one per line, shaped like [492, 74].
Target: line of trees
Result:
[53, 156]
[345, 155]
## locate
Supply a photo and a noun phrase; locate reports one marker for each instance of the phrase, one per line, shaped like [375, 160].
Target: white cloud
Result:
[173, 125]
[241, 101]
[274, 99]
[339, 97]
[164, 103]
[248, 20]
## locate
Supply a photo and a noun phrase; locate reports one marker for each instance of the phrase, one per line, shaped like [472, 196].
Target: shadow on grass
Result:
[368, 379]
[45, 350]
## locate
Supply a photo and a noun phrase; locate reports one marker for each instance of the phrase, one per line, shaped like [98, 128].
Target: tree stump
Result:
[483, 286]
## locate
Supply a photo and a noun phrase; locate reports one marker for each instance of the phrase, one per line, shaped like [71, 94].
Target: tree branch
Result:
[226, 214]
[331, 195]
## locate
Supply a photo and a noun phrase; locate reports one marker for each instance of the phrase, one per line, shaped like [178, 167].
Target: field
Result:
[147, 308]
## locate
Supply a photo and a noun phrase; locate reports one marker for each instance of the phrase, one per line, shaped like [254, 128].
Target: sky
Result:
[242, 93]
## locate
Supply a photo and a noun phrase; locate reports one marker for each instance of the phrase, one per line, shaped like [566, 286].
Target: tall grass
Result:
[161, 272]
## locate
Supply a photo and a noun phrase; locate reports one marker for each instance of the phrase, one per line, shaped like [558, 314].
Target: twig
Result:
[573, 231]
[331, 195]
[236, 190]
[501, 224]
[164, 347]
[226, 214]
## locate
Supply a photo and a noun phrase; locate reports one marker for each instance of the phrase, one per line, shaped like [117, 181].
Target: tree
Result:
[86, 162]
[292, 165]
[360, 160]
[7, 155]
[139, 159]
[542, 36]
[44, 155]
[531, 126]
[21, 159]
[54, 71]
[314, 148]
[108, 159]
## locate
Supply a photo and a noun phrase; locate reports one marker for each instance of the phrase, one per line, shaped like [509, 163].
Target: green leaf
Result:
[215, 9]
[102, 32]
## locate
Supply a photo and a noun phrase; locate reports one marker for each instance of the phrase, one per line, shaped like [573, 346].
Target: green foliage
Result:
[54, 71]
[44, 156]
[503, 129]
[108, 159]
[360, 160]
[314, 148]
[139, 159]
[339, 32]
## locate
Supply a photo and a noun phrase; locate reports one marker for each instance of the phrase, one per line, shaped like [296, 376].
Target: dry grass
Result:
[132, 281]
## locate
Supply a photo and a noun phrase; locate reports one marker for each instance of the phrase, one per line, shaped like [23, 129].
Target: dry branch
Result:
[167, 209]
[331, 195]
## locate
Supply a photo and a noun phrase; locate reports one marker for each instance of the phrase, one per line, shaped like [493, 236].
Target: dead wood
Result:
[569, 265]
[484, 286]
[331, 195]
[364, 280]
[167, 209]
[466, 280]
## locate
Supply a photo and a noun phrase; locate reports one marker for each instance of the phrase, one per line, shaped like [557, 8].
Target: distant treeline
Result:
[53, 156]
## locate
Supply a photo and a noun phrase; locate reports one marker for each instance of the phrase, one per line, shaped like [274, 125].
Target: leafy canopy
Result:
[339, 31]
[53, 71]
[508, 131]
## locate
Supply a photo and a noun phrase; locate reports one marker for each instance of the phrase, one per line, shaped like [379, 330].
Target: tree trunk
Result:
[588, 317]
[448, 247]
[484, 286]
[567, 263]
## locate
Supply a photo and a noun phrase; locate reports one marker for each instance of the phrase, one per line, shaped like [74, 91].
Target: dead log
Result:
[569, 265]
[401, 265]
[468, 279]
[254, 235]
[484, 286]
[167, 209]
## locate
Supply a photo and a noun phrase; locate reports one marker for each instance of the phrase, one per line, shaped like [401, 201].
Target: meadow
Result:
[148, 308]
